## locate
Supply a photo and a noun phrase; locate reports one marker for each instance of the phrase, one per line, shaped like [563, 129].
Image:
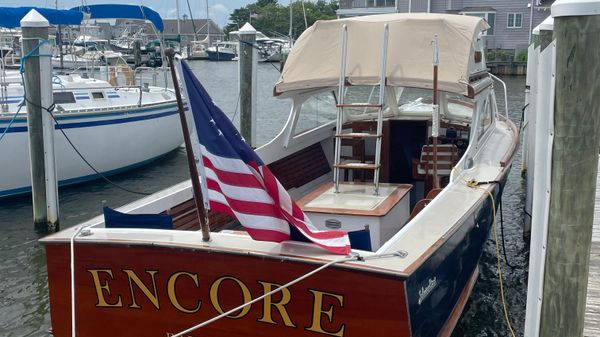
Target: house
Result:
[511, 21]
[186, 29]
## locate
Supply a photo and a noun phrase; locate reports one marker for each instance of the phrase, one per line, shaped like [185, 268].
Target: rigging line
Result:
[98, 173]
[11, 122]
[502, 234]
[352, 257]
[51, 108]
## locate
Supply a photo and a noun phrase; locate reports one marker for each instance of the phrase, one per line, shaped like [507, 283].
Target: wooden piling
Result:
[247, 59]
[38, 87]
[574, 168]
[137, 53]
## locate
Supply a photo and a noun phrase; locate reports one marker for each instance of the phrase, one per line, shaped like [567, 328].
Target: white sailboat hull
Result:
[111, 141]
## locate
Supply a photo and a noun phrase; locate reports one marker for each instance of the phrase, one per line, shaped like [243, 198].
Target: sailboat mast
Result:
[291, 19]
[193, 23]
[207, 23]
[59, 41]
[178, 23]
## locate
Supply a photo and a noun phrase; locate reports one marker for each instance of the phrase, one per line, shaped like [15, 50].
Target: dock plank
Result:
[592, 312]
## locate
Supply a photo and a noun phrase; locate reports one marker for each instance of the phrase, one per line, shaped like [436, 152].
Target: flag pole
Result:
[201, 211]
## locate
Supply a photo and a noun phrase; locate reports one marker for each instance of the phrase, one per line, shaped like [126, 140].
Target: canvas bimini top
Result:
[314, 61]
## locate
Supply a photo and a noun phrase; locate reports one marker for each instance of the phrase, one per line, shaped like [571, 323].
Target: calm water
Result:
[24, 309]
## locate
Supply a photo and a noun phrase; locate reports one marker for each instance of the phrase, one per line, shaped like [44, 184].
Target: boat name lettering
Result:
[425, 291]
[128, 289]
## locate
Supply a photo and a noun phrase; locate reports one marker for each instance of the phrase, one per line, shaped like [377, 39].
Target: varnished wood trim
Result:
[401, 191]
[450, 324]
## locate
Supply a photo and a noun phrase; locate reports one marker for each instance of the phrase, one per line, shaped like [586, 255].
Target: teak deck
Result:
[592, 311]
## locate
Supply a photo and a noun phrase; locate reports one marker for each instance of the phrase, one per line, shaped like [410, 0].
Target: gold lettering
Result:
[173, 296]
[286, 297]
[214, 296]
[318, 313]
[100, 288]
[152, 296]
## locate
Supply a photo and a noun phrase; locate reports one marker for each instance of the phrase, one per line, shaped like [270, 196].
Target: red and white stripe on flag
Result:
[258, 200]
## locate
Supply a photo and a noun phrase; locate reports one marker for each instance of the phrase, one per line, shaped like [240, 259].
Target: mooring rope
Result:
[477, 185]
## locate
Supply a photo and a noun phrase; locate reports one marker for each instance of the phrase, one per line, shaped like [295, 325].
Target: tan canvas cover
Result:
[315, 58]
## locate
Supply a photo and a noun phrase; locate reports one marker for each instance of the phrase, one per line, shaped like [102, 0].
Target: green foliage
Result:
[499, 55]
[521, 56]
[273, 17]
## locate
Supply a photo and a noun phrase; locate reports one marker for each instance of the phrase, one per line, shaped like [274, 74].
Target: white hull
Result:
[109, 148]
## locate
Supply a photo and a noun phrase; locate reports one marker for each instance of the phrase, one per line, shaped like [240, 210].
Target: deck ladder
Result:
[341, 113]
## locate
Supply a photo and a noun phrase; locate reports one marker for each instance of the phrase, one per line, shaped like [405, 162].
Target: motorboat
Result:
[374, 143]
[222, 51]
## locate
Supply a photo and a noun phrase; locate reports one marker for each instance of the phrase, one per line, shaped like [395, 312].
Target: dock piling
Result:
[574, 166]
[247, 77]
[40, 125]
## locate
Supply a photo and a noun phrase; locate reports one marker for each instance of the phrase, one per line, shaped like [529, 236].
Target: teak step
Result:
[357, 166]
[359, 105]
[358, 135]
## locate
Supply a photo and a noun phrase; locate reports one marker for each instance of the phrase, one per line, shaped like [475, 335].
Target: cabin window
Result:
[64, 97]
[457, 107]
[97, 95]
[485, 119]
[515, 20]
[316, 111]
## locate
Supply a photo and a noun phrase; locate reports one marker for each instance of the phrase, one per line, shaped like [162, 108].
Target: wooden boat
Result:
[425, 242]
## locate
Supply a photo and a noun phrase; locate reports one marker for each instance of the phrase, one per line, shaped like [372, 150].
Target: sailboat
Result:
[374, 145]
[115, 127]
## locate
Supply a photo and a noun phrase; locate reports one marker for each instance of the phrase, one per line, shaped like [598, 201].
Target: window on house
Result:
[515, 20]
[490, 17]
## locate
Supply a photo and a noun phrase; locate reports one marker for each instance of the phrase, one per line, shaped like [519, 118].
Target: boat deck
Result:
[592, 312]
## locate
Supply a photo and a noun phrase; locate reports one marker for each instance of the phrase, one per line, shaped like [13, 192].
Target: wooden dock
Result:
[592, 312]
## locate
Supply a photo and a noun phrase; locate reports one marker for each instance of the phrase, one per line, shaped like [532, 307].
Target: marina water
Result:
[24, 308]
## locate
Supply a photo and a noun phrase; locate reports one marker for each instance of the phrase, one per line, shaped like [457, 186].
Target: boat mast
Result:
[192, 18]
[207, 23]
[178, 23]
[291, 21]
[59, 41]
[435, 120]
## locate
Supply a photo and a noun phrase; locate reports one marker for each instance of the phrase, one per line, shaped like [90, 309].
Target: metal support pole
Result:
[247, 78]
[38, 86]
[574, 167]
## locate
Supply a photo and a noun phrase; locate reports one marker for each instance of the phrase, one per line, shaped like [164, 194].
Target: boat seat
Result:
[116, 219]
[447, 157]
[419, 206]
[433, 193]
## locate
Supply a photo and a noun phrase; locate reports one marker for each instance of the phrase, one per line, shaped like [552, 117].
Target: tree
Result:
[273, 18]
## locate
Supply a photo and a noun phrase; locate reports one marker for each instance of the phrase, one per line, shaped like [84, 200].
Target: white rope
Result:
[289, 284]
[72, 253]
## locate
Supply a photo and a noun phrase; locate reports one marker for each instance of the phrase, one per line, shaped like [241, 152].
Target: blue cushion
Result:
[116, 219]
[360, 239]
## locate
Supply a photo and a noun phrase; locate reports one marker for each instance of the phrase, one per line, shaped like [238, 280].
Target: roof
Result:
[314, 61]
[187, 28]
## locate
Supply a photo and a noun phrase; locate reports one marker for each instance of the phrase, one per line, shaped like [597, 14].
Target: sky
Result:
[219, 9]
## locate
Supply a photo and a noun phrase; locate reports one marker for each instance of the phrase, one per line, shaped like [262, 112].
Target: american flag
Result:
[236, 181]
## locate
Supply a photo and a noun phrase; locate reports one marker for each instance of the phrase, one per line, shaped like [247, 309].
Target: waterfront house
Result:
[511, 21]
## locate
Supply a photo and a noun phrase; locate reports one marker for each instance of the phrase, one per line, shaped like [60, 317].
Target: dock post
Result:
[574, 167]
[247, 70]
[38, 86]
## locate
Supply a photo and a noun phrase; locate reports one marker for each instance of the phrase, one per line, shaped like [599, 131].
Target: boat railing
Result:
[154, 72]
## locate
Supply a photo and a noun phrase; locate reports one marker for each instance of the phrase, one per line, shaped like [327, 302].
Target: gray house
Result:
[511, 21]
